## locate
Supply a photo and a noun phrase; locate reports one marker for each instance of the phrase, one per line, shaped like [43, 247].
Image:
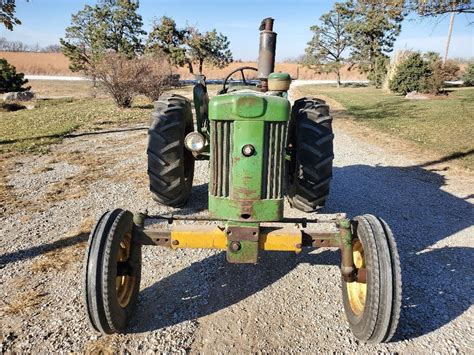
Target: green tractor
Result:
[260, 149]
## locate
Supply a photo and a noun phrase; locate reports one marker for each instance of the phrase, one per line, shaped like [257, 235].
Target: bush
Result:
[10, 80]
[468, 76]
[124, 78]
[159, 77]
[410, 74]
[451, 70]
[424, 73]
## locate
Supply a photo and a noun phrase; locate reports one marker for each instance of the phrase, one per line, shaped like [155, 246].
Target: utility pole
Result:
[450, 31]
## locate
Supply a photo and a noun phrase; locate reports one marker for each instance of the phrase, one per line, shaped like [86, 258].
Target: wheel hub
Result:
[357, 291]
[124, 282]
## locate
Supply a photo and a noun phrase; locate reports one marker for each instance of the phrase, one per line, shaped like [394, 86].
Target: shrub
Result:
[468, 76]
[424, 73]
[159, 77]
[410, 74]
[451, 70]
[10, 80]
[124, 78]
[398, 58]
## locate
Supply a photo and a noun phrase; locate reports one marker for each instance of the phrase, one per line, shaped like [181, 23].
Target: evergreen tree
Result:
[111, 25]
[373, 27]
[325, 51]
[187, 46]
[7, 14]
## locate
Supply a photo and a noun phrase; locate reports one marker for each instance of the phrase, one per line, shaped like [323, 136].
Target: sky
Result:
[44, 21]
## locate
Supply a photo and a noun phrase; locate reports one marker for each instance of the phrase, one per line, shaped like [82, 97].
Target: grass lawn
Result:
[33, 130]
[444, 125]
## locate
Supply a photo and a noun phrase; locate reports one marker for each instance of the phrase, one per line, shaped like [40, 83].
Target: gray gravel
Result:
[194, 300]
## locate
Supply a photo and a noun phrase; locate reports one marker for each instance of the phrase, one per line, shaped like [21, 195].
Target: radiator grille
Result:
[275, 136]
[221, 145]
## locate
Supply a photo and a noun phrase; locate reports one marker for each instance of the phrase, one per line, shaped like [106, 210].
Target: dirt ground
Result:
[192, 300]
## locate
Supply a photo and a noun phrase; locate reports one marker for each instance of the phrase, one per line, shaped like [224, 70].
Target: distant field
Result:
[444, 125]
[58, 64]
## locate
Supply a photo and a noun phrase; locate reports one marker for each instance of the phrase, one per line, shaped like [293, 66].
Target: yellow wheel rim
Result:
[124, 284]
[357, 291]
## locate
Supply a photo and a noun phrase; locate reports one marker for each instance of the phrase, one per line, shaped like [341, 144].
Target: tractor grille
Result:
[273, 159]
[221, 145]
[275, 137]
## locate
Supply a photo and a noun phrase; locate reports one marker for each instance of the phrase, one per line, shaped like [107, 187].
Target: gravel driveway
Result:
[193, 300]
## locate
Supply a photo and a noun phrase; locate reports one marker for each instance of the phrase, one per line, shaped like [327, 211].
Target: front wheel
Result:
[373, 308]
[112, 272]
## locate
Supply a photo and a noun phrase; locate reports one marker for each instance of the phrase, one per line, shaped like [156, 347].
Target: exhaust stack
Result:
[266, 52]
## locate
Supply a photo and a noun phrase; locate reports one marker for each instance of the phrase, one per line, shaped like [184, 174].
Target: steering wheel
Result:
[225, 86]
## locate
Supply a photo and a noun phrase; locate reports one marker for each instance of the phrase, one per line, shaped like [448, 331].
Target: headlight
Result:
[194, 142]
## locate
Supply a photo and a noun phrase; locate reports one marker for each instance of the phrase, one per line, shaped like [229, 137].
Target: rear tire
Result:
[308, 173]
[373, 309]
[170, 164]
[112, 272]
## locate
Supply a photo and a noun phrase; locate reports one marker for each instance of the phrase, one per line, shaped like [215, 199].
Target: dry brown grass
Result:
[23, 302]
[103, 346]
[38, 63]
[25, 298]
[58, 64]
[60, 88]
[59, 258]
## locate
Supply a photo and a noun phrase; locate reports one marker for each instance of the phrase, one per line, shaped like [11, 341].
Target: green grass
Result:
[35, 129]
[443, 125]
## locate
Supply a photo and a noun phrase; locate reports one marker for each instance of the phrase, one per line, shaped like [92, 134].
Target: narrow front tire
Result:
[112, 272]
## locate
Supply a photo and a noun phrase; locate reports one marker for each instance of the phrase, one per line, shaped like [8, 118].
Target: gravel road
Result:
[193, 300]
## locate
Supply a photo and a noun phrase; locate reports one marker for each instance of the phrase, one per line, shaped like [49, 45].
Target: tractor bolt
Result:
[175, 242]
[235, 246]
[248, 150]
[298, 246]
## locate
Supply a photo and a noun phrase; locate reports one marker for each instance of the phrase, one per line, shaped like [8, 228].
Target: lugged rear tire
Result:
[170, 164]
[308, 172]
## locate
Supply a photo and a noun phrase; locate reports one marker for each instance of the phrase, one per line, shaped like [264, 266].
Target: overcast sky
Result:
[44, 22]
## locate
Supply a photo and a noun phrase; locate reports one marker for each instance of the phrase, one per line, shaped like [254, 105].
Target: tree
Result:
[435, 8]
[210, 46]
[111, 25]
[10, 80]
[7, 14]
[187, 46]
[373, 27]
[166, 37]
[326, 49]
[409, 74]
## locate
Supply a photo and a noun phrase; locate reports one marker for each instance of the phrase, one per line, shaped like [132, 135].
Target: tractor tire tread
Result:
[308, 174]
[170, 165]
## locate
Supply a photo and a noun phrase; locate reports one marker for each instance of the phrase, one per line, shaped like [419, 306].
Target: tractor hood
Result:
[249, 105]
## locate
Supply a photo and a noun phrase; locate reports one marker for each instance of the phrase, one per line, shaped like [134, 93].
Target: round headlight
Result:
[194, 142]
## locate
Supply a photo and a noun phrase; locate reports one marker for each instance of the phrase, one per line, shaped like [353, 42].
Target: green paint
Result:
[201, 100]
[243, 105]
[247, 171]
[279, 76]
[248, 253]
[263, 210]
[249, 111]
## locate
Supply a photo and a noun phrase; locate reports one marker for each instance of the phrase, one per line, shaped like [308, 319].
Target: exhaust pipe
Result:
[266, 52]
